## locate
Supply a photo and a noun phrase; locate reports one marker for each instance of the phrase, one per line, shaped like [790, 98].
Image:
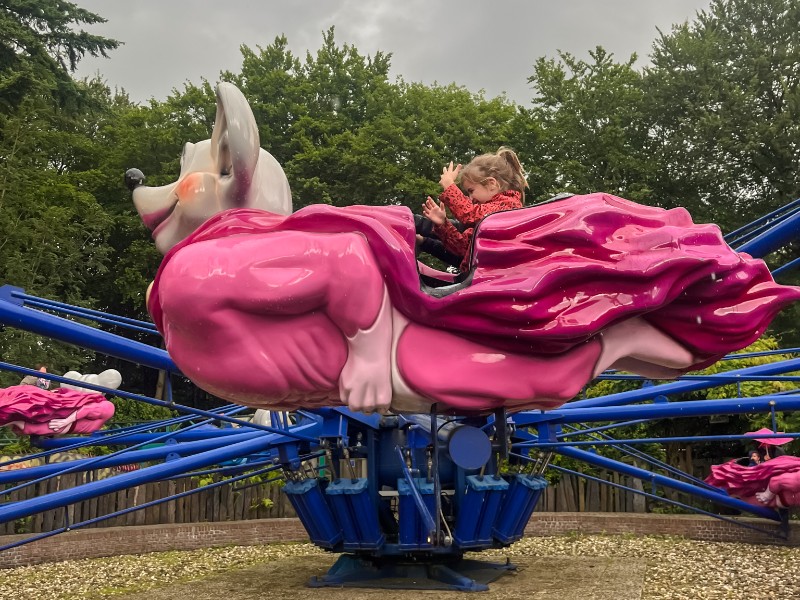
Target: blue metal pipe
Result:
[73, 443]
[695, 408]
[430, 525]
[13, 314]
[86, 312]
[665, 500]
[164, 438]
[652, 496]
[172, 406]
[786, 351]
[146, 438]
[74, 312]
[655, 462]
[658, 440]
[132, 456]
[232, 469]
[682, 387]
[760, 230]
[18, 510]
[786, 208]
[719, 497]
[134, 508]
[601, 428]
[791, 265]
[114, 436]
[777, 235]
[715, 380]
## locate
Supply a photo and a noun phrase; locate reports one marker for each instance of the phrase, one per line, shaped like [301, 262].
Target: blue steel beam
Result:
[110, 438]
[14, 314]
[125, 458]
[170, 405]
[424, 513]
[654, 440]
[777, 235]
[631, 450]
[139, 438]
[663, 500]
[736, 236]
[66, 309]
[666, 410]
[682, 387]
[718, 497]
[86, 313]
[125, 511]
[21, 509]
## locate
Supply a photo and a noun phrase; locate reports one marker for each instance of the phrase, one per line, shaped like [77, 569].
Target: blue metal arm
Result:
[14, 314]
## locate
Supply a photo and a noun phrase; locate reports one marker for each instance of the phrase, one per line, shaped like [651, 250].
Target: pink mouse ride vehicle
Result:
[323, 306]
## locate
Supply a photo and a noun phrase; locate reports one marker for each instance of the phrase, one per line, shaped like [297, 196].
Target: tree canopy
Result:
[40, 49]
[710, 124]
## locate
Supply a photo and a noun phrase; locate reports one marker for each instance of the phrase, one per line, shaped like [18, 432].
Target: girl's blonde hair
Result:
[503, 165]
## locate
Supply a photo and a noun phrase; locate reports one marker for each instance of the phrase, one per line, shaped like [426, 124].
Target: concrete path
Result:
[537, 578]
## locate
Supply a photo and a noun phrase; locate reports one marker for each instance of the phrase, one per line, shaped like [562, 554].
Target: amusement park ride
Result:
[324, 318]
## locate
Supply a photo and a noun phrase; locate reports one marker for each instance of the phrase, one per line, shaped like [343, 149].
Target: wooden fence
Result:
[265, 500]
[576, 494]
[222, 503]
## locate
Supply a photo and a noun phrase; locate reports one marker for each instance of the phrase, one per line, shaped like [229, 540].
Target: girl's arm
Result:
[468, 213]
[454, 240]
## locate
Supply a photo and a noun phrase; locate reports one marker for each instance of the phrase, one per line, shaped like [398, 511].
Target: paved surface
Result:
[557, 578]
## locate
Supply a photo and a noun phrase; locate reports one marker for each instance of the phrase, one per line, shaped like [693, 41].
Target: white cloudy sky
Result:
[477, 44]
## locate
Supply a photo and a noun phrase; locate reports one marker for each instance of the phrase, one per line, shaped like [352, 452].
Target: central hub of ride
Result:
[415, 491]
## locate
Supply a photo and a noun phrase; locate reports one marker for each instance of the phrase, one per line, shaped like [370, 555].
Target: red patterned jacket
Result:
[469, 214]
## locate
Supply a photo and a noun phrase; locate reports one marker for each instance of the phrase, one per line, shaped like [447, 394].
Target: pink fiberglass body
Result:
[257, 307]
[30, 410]
[324, 306]
[774, 483]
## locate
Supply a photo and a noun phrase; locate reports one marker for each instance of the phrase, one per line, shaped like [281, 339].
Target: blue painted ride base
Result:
[392, 573]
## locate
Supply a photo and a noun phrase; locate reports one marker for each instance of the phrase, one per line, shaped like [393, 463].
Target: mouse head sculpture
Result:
[228, 171]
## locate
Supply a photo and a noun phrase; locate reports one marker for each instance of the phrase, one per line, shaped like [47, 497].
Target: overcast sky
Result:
[478, 44]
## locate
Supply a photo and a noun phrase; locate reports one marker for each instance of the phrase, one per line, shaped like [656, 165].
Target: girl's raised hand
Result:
[449, 175]
[434, 212]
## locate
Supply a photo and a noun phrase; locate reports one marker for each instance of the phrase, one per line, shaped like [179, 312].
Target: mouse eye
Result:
[186, 155]
[224, 158]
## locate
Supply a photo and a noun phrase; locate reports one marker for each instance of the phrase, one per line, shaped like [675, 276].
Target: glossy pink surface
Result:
[29, 409]
[780, 477]
[268, 310]
[769, 441]
[462, 374]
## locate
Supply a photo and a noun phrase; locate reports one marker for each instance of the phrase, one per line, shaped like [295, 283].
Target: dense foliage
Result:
[711, 124]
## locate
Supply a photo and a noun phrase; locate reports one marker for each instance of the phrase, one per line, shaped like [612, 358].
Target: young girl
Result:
[492, 182]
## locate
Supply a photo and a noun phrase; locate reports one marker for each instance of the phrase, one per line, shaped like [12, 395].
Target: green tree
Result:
[345, 134]
[724, 109]
[39, 49]
[586, 130]
[149, 138]
[337, 91]
[53, 232]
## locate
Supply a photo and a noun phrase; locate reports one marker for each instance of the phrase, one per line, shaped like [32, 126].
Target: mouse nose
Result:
[133, 178]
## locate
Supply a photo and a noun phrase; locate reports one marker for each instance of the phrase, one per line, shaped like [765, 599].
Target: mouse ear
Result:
[235, 142]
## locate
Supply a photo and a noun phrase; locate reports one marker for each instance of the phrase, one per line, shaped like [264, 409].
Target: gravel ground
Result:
[677, 569]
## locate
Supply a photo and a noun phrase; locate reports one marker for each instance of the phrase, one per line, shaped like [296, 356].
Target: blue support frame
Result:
[485, 510]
